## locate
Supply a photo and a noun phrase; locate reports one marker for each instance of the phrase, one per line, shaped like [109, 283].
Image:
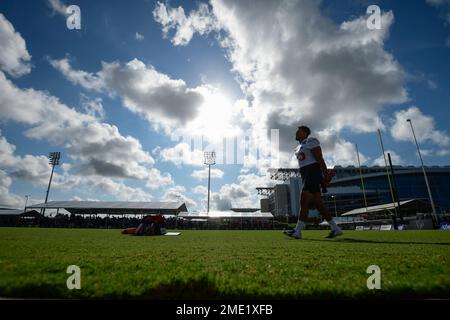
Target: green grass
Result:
[223, 264]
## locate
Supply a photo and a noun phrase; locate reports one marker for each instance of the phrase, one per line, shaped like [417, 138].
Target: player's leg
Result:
[305, 201]
[318, 203]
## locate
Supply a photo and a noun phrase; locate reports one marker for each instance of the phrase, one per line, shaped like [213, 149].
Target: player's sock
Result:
[333, 225]
[300, 225]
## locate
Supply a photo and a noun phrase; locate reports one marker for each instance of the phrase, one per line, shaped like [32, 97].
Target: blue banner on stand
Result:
[445, 226]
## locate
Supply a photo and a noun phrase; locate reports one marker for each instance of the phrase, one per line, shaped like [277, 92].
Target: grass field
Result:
[223, 264]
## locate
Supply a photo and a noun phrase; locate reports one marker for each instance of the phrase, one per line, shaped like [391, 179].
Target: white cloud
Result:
[297, 66]
[424, 128]
[202, 190]
[157, 180]
[98, 187]
[200, 20]
[338, 151]
[395, 158]
[93, 107]
[99, 147]
[58, 6]
[202, 112]
[161, 100]
[36, 170]
[203, 174]
[244, 170]
[78, 77]
[431, 84]
[138, 36]
[180, 154]
[33, 107]
[443, 153]
[343, 153]
[221, 202]
[442, 3]
[427, 152]
[14, 56]
[437, 2]
[77, 198]
[117, 189]
[8, 199]
[102, 140]
[242, 194]
[33, 169]
[7, 150]
[150, 93]
[434, 152]
[102, 152]
[177, 193]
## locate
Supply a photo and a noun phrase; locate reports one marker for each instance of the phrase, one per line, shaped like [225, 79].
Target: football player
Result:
[313, 172]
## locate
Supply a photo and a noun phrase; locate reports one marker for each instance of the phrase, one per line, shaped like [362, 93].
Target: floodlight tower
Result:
[335, 206]
[210, 159]
[53, 159]
[26, 202]
[433, 208]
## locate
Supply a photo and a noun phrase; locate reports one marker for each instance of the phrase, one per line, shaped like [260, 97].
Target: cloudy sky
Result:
[134, 97]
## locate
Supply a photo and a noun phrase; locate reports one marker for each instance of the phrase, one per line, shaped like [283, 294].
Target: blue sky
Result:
[138, 71]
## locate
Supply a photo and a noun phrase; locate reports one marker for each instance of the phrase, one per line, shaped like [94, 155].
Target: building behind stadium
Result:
[365, 193]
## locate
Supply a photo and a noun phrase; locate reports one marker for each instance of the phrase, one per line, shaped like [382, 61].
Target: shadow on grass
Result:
[205, 289]
[351, 240]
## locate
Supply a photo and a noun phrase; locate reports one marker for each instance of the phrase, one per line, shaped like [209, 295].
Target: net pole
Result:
[389, 179]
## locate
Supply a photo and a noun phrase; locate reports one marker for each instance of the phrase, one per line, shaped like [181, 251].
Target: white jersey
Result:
[303, 151]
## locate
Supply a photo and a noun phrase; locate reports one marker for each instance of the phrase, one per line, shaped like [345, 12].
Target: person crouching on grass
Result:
[312, 170]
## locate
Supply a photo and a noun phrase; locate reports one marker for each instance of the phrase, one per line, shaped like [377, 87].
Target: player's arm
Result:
[317, 153]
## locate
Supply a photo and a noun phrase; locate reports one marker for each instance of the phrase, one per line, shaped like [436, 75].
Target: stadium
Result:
[356, 198]
[362, 197]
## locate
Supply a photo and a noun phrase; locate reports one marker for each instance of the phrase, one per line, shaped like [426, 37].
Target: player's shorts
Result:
[311, 177]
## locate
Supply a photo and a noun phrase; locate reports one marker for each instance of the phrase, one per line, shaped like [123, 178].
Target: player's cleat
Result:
[334, 234]
[293, 234]
[288, 231]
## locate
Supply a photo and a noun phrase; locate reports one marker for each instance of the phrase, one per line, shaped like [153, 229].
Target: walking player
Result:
[312, 170]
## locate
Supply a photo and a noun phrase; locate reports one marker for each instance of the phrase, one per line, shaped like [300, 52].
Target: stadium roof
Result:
[226, 214]
[15, 212]
[351, 172]
[114, 207]
[244, 209]
[380, 207]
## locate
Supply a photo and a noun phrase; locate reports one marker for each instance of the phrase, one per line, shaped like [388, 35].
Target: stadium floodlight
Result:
[26, 202]
[53, 158]
[335, 206]
[210, 159]
[433, 208]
